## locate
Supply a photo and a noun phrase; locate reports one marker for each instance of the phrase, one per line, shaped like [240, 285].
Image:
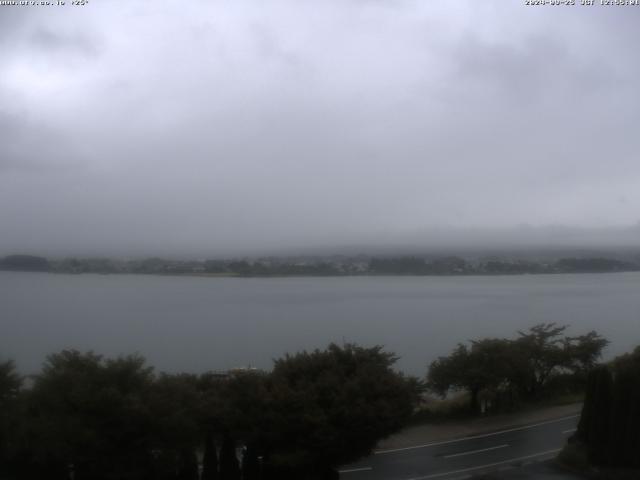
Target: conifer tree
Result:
[610, 421]
[250, 463]
[624, 440]
[188, 465]
[594, 426]
[210, 459]
[229, 465]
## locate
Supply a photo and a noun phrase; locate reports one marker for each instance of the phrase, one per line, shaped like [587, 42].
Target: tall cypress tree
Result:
[610, 421]
[595, 421]
[188, 466]
[633, 419]
[210, 459]
[250, 463]
[624, 441]
[229, 465]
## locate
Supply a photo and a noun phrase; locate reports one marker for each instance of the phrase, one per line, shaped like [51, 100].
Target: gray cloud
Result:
[244, 125]
[51, 42]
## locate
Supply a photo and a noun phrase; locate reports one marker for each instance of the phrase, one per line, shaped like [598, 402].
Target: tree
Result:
[583, 352]
[542, 345]
[242, 406]
[90, 413]
[188, 465]
[595, 420]
[250, 463]
[502, 370]
[624, 439]
[229, 465]
[489, 366]
[609, 426]
[209, 459]
[174, 401]
[548, 352]
[10, 384]
[330, 407]
[453, 372]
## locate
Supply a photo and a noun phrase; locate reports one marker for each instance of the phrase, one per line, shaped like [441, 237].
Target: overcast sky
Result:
[224, 126]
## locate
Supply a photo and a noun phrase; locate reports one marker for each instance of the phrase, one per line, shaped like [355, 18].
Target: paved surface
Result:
[432, 432]
[545, 470]
[497, 453]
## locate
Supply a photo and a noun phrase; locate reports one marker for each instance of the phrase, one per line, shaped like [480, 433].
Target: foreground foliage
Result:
[498, 373]
[609, 426]
[100, 418]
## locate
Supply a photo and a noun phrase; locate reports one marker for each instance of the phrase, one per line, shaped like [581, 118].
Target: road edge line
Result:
[474, 437]
[471, 452]
[488, 465]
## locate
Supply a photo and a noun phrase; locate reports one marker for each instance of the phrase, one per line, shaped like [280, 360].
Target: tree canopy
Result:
[114, 418]
[333, 406]
[508, 369]
[609, 426]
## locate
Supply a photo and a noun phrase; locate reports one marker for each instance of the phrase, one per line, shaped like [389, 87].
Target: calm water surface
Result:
[195, 324]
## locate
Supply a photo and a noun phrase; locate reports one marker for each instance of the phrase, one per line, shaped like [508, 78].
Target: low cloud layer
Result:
[238, 126]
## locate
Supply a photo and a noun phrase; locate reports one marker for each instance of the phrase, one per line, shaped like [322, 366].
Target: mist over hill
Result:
[526, 242]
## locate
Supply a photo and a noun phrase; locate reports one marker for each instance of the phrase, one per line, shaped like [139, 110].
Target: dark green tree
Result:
[609, 426]
[188, 465]
[250, 463]
[330, 407]
[90, 413]
[10, 384]
[548, 352]
[502, 370]
[489, 366]
[243, 404]
[454, 372]
[583, 352]
[595, 421]
[542, 345]
[210, 459]
[174, 402]
[229, 465]
[624, 439]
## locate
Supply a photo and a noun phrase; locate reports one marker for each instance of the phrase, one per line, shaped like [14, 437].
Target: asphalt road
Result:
[466, 457]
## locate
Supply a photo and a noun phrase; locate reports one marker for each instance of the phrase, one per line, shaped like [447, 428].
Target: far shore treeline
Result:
[85, 416]
[323, 266]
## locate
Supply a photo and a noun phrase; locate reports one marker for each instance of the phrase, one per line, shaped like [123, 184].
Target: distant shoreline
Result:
[274, 276]
[335, 266]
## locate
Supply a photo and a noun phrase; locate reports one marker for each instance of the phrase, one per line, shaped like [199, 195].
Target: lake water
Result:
[196, 324]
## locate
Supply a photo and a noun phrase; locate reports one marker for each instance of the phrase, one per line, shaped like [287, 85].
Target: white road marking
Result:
[571, 430]
[488, 465]
[353, 470]
[475, 451]
[473, 437]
